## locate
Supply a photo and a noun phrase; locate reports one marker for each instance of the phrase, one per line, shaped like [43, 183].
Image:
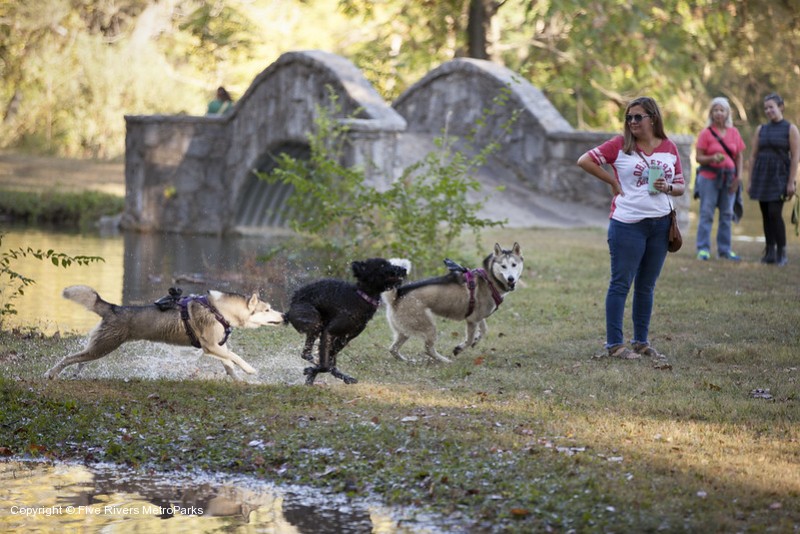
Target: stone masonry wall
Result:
[185, 174]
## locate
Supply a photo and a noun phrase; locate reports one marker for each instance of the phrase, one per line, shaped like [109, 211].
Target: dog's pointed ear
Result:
[516, 249]
[498, 250]
[252, 304]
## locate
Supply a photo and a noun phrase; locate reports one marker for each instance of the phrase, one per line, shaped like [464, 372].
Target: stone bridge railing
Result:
[195, 174]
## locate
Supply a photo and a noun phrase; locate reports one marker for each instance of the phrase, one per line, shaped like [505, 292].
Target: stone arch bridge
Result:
[194, 174]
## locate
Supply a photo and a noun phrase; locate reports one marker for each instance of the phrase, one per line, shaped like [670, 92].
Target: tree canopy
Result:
[71, 69]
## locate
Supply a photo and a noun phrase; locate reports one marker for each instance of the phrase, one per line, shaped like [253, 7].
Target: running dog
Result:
[202, 321]
[335, 311]
[469, 295]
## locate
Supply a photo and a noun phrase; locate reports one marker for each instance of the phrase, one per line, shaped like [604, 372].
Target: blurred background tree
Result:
[71, 69]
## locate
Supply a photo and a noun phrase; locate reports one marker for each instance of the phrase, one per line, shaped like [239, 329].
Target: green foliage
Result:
[420, 216]
[17, 282]
[77, 210]
[72, 68]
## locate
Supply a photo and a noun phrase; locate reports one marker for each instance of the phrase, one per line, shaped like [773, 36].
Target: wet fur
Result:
[412, 308]
[332, 312]
[121, 324]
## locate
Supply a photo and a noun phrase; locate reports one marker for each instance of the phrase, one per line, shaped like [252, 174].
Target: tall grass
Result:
[75, 210]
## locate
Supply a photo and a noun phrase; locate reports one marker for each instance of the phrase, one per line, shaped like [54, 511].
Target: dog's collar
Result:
[470, 275]
[375, 302]
[183, 303]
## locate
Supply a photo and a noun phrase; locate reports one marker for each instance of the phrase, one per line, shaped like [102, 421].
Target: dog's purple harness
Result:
[375, 302]
[469, 276]
[183, 303]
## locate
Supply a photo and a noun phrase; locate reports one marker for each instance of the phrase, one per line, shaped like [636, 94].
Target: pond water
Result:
[42, 497]
[139, 268]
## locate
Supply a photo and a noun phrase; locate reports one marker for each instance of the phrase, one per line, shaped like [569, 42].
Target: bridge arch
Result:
[186, 174]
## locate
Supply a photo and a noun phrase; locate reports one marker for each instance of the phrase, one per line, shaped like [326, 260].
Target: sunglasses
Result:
[635, 118]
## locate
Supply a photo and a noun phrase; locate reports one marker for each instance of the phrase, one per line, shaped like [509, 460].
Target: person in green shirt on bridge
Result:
[222, 104]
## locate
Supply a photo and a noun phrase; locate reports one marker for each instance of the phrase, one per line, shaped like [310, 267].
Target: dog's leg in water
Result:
[328, 349]
[227, 357]
[322, 365]
[308, 348]
[337, 345]
[394, 350]
[96, 348]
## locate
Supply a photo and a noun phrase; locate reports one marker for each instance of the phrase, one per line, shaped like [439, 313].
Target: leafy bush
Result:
[17, 282]
[421, 216]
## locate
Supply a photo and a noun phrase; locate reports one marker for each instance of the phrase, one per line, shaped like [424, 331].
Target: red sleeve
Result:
[608, 151]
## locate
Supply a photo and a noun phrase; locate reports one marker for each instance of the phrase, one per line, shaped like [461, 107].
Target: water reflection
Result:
[43, 497]
[139, 268]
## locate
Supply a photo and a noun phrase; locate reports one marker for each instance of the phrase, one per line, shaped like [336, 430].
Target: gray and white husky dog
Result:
[469, 295]
[202, 321]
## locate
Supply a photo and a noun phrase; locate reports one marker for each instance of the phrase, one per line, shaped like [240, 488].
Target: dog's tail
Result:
[88, 298]
[390, 296]
[402, 262]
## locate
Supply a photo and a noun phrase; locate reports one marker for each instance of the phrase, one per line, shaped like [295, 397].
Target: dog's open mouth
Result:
[511, 284]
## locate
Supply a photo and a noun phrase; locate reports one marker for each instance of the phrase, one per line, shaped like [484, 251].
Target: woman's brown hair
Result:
[651, 108]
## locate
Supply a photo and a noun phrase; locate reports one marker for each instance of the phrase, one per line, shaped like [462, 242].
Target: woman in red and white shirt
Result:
[638, 232]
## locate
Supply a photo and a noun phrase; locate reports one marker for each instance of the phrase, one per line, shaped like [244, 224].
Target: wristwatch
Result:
[670, 189]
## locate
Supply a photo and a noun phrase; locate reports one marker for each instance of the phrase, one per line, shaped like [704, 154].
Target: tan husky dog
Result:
[202, 321]
[469, 295]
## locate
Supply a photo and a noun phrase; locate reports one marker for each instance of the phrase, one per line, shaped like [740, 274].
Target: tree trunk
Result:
[477, 25]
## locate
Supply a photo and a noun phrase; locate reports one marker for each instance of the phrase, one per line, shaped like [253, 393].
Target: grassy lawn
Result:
[526, 432]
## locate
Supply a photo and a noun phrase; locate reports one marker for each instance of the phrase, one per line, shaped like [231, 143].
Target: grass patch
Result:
[79, 210]
[524, 433]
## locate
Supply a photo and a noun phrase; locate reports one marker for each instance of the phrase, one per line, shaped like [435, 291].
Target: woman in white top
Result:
[638, 232]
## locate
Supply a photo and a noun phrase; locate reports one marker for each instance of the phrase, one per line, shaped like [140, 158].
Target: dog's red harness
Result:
[469, 276]
[202, 300]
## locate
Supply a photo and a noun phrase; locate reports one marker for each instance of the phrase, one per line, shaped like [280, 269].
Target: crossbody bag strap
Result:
[724, 146]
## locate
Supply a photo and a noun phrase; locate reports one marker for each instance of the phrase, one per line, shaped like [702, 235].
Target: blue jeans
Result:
[638, 251]
[711, 199]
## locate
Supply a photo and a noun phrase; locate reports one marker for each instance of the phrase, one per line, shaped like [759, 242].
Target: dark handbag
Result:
[675, 238]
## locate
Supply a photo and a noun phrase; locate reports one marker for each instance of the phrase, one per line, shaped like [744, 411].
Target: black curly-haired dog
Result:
[335, 311]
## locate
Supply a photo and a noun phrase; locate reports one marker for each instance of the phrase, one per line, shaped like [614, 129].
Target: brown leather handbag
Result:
[675, 239]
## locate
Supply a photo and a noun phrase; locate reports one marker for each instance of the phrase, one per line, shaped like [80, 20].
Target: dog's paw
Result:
[399, 356]
[347, 379]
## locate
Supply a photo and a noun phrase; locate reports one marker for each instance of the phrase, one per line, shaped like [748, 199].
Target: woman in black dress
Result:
[773, 168]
